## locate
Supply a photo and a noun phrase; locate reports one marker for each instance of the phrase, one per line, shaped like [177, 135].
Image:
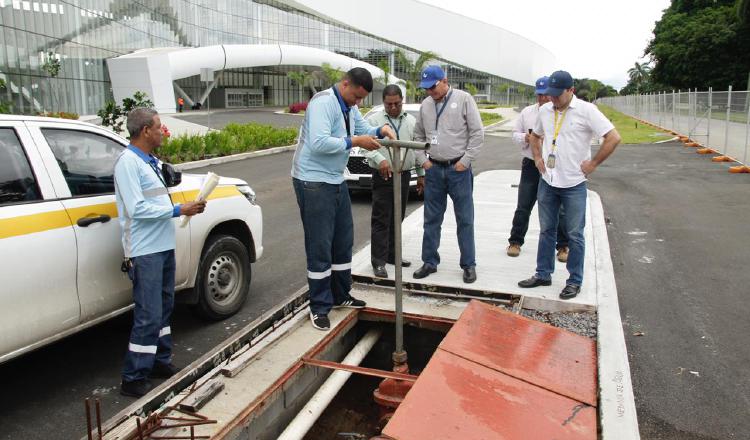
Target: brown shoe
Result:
[562, 254]
[514, 250]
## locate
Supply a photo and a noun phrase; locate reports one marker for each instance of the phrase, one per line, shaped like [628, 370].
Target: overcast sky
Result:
[598, 39]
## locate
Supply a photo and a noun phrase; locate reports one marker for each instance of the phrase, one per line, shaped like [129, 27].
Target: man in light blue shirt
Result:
[145, 212]
[333, 124]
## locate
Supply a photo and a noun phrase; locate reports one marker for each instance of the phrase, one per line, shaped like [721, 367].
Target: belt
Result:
[445, 163]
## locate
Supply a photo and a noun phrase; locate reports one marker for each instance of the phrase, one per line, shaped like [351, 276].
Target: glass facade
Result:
[82, 34]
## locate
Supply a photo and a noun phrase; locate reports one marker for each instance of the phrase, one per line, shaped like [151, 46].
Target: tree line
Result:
[696, 43]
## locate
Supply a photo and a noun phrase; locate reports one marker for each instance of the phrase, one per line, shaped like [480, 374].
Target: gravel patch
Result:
[583, 324]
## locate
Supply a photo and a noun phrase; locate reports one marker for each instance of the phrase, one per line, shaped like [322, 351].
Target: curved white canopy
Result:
[153, 70]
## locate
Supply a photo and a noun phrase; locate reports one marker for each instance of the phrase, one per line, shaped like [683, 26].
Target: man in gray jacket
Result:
[449, 120]
[382, 249]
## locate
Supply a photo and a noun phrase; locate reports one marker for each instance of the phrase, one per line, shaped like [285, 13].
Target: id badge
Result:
[434, 140]
[551, 161]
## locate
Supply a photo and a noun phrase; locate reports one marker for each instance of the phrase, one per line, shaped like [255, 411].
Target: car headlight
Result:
[248, 193]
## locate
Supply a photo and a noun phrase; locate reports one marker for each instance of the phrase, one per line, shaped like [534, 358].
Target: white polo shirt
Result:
[583, 121]
[525, 122]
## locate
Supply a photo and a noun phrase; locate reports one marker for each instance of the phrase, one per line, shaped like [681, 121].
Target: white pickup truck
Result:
[60, 246]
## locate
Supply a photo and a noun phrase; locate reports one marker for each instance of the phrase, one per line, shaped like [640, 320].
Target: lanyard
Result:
[557, 128]
[345, 113]
[445, 104]
[400, 121]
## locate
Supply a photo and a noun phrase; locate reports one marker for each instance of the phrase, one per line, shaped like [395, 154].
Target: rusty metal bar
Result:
[88, 419]
[360, 370]
[98, 418]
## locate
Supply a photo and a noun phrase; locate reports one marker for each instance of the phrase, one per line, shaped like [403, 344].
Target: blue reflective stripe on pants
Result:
[441, 182]
[153, 295]
[326, 213]
[550, 200]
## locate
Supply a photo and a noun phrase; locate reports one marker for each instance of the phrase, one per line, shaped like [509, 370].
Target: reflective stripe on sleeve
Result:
[155, 192]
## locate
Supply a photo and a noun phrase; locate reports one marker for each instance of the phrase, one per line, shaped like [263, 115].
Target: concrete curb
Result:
[281, 112]
[617, 413]
[234, 157]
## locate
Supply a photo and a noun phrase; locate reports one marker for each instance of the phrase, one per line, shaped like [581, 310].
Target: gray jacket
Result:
[459, 133]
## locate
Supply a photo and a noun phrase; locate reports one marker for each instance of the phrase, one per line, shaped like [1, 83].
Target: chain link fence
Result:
[716, 120]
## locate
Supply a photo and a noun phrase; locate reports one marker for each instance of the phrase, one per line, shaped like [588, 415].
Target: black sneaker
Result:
[352, 303]
[320, 322]
[135, 388]
[163, 371]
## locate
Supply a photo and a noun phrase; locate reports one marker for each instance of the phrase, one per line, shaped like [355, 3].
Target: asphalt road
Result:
[678, 236]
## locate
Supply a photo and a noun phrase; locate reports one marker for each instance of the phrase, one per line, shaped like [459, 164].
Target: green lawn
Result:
[632, 131]
[490, 118]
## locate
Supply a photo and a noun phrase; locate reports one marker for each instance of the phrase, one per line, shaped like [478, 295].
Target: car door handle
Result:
[85, 221]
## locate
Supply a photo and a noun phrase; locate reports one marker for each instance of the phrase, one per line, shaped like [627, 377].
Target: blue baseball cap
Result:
[558, 82]
[430, 76]
[541, 85]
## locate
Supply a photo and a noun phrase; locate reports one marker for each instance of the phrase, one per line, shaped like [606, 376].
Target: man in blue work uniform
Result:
[145, 212]
[332, 126]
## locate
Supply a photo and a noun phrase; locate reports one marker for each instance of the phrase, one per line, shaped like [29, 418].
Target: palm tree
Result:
[640, 75]
[302, 78]
[413, 69]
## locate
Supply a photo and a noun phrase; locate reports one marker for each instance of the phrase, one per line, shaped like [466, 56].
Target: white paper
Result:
[209, 184]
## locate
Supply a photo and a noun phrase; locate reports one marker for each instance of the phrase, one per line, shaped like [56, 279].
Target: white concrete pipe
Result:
[306, 418]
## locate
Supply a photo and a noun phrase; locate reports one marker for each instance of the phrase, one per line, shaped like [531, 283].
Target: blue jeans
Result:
[550, 200]
[153, 295]
[442, 181]
[326, 213]
[527, 189]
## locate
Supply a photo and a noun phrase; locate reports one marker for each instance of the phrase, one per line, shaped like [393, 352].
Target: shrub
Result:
[62, 115]
[233, 139]
[297, 107]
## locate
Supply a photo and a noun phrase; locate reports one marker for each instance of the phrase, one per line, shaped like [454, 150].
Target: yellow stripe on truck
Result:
[45, 221]
[93, 211]
[29, 224]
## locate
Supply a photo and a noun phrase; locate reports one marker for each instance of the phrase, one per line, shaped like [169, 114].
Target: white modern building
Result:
[108, 48]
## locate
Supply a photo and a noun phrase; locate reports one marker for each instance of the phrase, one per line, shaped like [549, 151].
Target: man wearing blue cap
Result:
[529, 183]
[332, 126]
[561, 144]
[449, 120]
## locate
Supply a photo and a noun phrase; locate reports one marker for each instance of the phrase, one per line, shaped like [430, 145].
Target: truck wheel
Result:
[223, 279]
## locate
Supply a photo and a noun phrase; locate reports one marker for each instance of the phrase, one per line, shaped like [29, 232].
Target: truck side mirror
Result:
[172, 177]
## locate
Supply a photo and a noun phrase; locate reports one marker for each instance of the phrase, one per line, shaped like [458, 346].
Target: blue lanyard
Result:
[345, 113]
[445, 104]
[400, 121]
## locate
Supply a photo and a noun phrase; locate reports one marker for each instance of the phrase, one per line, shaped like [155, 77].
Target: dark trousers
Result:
[153, 295]
[527, 194]
[326, 213]
[382, 222]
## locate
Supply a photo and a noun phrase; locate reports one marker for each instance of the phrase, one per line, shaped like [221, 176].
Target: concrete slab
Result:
[495, 196]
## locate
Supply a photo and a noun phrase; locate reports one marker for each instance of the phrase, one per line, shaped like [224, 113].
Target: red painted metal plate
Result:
[529, 350]
[455, 398]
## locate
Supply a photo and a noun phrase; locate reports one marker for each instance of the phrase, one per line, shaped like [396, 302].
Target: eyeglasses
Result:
[433, 86]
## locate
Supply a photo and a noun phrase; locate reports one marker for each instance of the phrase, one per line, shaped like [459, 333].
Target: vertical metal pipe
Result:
[396, 159]
[674, 127]
[747, 128]
[98, 418]
[729, 111]
[710, 115]
[88, 418]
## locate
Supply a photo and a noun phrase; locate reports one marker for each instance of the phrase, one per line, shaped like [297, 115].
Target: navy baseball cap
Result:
[559, 82]
[430, 76]
[541, 85]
